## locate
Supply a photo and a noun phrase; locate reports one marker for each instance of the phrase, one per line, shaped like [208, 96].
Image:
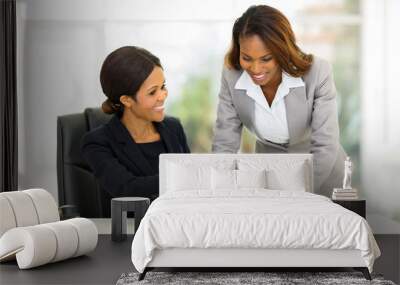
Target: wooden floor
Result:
[102, 266]
[110, 260]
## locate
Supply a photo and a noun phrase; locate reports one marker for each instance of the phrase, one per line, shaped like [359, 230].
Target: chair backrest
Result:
[76, 182]
[295, 168]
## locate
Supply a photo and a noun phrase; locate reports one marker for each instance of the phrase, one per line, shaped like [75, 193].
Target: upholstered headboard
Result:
[280, 163]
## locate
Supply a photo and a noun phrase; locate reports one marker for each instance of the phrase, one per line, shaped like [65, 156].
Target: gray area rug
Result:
[230, 278]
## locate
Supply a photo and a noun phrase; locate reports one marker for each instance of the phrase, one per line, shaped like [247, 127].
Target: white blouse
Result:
[270, 122]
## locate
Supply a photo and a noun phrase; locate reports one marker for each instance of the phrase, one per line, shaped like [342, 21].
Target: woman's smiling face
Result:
[257, 60]
[149, 103]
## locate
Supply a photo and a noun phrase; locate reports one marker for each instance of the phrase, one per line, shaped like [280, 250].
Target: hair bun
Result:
[110, 108]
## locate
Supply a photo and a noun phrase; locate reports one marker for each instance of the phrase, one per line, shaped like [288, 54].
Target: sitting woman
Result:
[123, 153]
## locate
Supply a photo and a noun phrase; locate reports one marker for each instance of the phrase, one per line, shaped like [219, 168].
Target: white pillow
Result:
[223, 179]
[293, 179]
[227, 179]
[183, 177]
[282, 174]
[251, 178]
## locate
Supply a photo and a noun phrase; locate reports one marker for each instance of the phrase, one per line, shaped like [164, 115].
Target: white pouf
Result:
[31, 232]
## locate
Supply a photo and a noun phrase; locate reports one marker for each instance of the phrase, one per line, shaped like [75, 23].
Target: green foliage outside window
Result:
[196, 110]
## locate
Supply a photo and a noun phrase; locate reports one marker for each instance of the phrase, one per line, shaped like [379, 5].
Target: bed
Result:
[245, 211]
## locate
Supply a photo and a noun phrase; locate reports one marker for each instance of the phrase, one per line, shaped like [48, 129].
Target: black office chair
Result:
[76, 183]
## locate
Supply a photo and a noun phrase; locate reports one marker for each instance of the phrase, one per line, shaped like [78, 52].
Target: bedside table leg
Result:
[118, 222]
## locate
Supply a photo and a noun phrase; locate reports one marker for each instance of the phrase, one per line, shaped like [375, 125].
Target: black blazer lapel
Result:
[170, 139]
[129, 146]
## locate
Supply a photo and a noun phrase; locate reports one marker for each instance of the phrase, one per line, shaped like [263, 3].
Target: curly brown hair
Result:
[275, 31]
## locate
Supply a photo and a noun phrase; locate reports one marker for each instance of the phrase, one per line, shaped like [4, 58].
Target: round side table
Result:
[119, 208]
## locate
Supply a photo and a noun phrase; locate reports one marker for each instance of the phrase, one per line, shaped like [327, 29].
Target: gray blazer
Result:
[311, 116]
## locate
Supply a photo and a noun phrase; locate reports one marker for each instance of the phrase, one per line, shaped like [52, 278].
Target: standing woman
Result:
[123, 153]
[286, 97]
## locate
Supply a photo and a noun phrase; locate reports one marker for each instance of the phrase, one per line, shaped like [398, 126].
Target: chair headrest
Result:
[96, 117]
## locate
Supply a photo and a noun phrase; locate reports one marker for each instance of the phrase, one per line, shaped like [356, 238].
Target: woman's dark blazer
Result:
[118, 163]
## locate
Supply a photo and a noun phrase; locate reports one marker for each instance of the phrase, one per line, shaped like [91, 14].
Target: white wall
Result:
[56, 62]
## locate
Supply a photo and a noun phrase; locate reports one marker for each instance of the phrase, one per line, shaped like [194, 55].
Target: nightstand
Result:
[119, 208]
[357, 206]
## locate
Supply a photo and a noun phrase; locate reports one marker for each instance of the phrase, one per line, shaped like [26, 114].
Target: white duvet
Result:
[252, 218]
